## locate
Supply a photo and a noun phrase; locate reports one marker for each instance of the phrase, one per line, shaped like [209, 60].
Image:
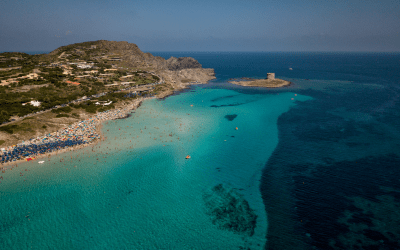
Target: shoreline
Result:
[126, 110]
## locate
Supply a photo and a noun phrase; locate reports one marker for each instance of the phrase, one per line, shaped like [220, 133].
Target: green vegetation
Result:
[23, 82]
[44, 126]
[62, 115]
[2, 141]
[12, 128]
[54, 76]
[51, 88]
[8, 128]
[61, 110]
[26, 63]
[49, 96]
[104, 66]
[88, 106]
[186, 80]
[8, 108]
[72, 48]
[105, 108]
[114, 97]
[162, 87]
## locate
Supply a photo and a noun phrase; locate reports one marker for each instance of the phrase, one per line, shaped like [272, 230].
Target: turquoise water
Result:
[136, 190]
[317, 172]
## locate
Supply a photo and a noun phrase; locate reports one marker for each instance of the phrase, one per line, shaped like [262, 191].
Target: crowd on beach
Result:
[83, 132]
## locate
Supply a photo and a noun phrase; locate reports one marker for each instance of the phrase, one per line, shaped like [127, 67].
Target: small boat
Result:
[236, 128]
[188, 157]
[41, 162]
[290, 69]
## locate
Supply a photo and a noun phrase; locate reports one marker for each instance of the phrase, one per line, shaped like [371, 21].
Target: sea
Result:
[314, 165]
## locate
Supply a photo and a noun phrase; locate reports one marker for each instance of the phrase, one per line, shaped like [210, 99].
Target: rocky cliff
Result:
[174, 63]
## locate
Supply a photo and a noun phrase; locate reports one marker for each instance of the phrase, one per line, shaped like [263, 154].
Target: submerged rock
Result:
[230, 117]
[229, 210]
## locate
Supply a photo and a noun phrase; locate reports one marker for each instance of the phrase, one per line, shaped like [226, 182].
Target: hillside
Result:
[125, 52]
[78, 76]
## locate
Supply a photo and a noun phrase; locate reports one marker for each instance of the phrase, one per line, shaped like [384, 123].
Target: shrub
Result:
[63, 109]
[9, 128]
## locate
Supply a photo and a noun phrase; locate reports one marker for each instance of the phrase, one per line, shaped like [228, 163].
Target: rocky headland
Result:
[74, 82]
[178, 72]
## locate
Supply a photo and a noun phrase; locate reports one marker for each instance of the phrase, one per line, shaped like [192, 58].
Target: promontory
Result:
[45, 93]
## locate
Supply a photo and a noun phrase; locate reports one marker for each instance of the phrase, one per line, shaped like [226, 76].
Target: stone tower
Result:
[271, 76]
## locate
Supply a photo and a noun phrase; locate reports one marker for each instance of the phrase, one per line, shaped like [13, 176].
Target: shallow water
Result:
[333, 180]
[319, 172]
[137, 190]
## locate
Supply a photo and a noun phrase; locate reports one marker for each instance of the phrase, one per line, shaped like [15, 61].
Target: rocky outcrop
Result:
[181, 78]
[174, 63]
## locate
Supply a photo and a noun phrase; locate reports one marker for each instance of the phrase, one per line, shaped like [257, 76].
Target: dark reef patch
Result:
[231, 117]
[227, 105]
[318, 195]
[229, 210]
[353, 207]
[222, 98]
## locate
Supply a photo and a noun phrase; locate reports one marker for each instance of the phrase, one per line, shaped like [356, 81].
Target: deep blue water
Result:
[333, 182]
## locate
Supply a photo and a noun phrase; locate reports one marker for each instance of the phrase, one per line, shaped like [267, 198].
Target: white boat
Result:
[290, 69]
[41, 162]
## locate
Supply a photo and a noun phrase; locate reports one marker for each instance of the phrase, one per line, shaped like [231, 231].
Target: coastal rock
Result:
[174, 63]
[186, 76]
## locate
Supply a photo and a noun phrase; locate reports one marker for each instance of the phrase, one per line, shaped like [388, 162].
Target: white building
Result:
[33, 103]
[85, 66]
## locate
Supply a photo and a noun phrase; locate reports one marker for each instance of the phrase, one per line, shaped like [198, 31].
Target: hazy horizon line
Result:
[223, 51]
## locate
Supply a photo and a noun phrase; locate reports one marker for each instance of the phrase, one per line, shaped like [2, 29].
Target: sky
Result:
[207, 25]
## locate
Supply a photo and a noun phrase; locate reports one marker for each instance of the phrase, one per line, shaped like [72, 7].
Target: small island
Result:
[269, 82]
